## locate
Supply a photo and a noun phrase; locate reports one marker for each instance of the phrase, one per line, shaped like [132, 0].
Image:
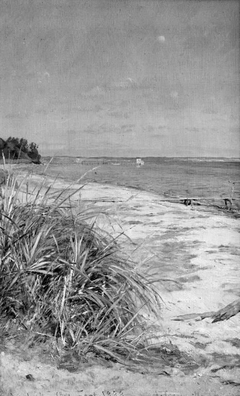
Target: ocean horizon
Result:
[150, 158]
[170, 177]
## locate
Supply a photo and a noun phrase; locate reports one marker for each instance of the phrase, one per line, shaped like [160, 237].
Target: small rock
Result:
[30, 377]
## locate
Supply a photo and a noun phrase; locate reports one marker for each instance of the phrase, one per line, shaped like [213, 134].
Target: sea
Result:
[207, 179]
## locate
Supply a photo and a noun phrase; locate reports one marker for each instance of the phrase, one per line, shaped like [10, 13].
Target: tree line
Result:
[19, 148]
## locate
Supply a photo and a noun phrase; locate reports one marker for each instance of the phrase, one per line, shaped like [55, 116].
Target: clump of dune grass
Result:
[62, 277]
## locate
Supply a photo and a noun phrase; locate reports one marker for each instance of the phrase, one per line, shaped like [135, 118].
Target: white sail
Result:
[139, 162]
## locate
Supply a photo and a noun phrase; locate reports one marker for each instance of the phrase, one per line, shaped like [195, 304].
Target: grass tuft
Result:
[60, 277]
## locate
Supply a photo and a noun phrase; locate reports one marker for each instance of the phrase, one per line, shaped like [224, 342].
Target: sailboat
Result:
[139, 162]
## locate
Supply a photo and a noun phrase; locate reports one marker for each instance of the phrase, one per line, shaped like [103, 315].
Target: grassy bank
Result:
[62, 278]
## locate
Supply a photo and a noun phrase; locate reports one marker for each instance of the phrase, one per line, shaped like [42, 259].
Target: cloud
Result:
[94, 92]
[16, 115]
[158, 136]
[124, 84]
[192, 129]
[127, 128]
[119, 114]
[174, 94]
[161, 39]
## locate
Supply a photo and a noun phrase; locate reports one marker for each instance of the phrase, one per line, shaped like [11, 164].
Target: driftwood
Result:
[199, 201]
[227, 312]
[223, 314]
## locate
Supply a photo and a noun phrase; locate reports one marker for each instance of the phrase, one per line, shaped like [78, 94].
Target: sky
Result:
[121, 77]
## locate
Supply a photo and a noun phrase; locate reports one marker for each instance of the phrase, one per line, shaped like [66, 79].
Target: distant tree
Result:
[33, 153]
[24, 145]
[16, 148]
[2, 144]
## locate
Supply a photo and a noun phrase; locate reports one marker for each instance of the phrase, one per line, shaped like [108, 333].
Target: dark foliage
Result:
[15, 148]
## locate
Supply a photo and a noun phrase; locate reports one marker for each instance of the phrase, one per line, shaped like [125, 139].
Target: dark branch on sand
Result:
[222, 314]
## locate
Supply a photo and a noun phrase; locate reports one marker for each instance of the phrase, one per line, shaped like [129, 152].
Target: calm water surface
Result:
[164, 176]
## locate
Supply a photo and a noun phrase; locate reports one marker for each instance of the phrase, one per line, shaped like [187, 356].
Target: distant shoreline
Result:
[150, 159]
[110, 160]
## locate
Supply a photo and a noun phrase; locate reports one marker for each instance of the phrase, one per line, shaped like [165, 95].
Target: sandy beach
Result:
[194, 256]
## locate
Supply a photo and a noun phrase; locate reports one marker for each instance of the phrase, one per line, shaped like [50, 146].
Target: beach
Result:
[119, 198]
[192, 252]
